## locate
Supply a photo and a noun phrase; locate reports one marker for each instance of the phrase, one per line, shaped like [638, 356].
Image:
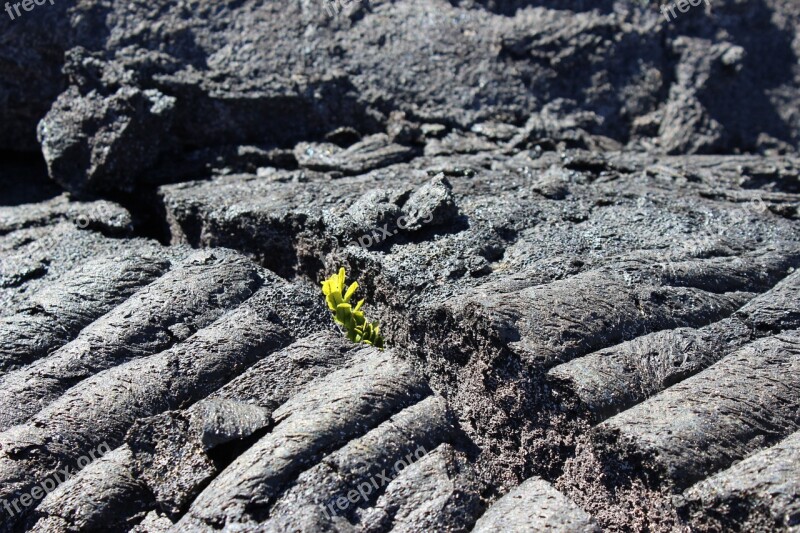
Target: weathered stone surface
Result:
[101, 215]
[273, 380]
[573, 318]
[535, 506]
[144, 387]
[319, 419]
[31, 58]
[314, 501]
[105, 494]
[35, 257]
[153, 523]
[433, 204]
[253, 215]
[748, 400]
[373, 152]
[552, 323]
[777, 310]
[96, 143]
[756, 494]
[172, 452]
[611, 380]
[55, 314]
[706, 82]
[167, 311]
[439, 491]
[507, 267]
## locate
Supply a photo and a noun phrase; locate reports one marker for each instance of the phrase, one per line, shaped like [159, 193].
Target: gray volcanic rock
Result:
[181, 375]
[433, 204]
[32, 258]
[373, 152]
[535, 506]
[313, 423]
[31, 58]
[705, 82]
[560, 326]
[314, 500]
[167, 311]
[92, 143]
[746, 401]
[577, 224]
[100, 215]
[519, 282]
[172, 451]
[170, 454]
[614, 379]
[103, 495]
[759, 493]
[55, 314]
[438, 491]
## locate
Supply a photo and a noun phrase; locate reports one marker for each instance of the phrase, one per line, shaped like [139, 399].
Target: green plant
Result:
[352, 319]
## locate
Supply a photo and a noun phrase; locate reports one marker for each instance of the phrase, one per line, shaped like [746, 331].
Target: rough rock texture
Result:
[611, 380]
[550, 292]
[101, 215]
[33, 258]
[58, 312]
[102, 495]
[759, 493]
[711, 80]
[746, 401]
[89, 141]
[181, 375]
[535, 506]
[328, 413]
[167, 311]
[436, 492]
[314, 501]
[577, 223]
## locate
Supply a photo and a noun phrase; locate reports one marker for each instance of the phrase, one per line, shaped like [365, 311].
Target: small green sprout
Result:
[352, 319]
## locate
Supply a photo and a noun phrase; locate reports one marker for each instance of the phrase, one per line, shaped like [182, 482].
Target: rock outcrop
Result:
[576, 223]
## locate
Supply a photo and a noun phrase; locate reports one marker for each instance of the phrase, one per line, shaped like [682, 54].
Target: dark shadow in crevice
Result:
[24, 179]
[510, 7]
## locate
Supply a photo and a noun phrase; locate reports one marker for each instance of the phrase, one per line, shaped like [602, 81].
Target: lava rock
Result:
[96, 143]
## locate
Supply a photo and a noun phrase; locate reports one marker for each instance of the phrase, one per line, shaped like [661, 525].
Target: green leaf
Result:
[352, 319]
[350, 291]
